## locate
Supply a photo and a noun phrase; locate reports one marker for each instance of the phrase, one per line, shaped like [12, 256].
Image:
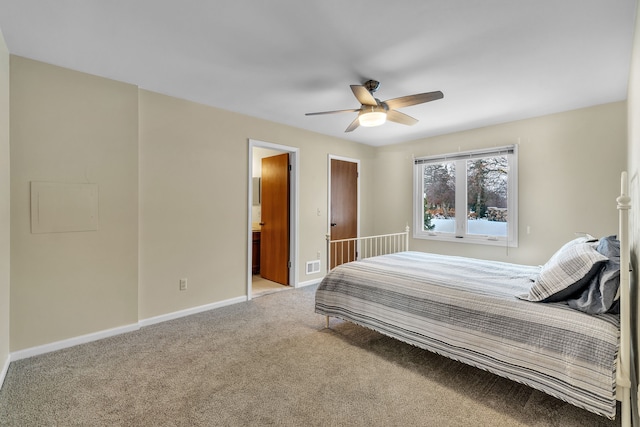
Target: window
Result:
[467, 197]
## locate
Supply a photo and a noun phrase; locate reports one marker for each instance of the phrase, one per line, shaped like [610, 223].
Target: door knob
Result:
[262, 223]
[333, 224]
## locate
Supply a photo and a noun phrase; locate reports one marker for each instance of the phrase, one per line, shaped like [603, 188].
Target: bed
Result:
[532, 324]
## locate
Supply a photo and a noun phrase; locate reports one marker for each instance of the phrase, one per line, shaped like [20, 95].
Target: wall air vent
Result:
[313, 267]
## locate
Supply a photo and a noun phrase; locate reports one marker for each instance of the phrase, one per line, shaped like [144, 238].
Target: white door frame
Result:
[294, 185]
[345, 159]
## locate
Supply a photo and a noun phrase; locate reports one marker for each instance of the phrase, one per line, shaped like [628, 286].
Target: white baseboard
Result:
[5, 368]
[58, 345]
[190, 311]
[309, 283]
[70, 342]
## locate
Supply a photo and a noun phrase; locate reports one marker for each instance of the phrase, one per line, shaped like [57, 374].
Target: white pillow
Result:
[566, 272]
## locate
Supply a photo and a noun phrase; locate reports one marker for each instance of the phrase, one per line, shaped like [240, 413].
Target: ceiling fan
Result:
[373, 112]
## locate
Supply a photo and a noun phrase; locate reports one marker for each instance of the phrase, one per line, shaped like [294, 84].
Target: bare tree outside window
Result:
[440, 195]
[487, 180]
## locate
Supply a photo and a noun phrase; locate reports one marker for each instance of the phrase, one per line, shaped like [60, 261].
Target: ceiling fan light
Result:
[372, 118]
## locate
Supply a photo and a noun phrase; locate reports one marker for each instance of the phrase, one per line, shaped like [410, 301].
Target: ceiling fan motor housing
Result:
[372, 85]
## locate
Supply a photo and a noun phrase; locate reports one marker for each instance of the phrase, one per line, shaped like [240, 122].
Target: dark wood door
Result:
[344, 210]
[274, 236]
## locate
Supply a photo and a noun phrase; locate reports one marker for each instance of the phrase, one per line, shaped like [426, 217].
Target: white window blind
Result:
[465, 155]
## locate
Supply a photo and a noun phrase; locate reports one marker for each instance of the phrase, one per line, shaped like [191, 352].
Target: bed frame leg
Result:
[326, 325]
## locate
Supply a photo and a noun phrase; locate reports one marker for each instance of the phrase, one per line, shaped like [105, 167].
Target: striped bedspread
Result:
[467, 309]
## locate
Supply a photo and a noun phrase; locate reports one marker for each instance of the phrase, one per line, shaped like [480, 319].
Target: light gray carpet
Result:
[266, 362]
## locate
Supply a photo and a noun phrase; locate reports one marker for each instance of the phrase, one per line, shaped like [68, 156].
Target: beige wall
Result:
[193, 199]
[185, 166]
[634, 175]
[569, 175]
[634, 143]
[4, 205]
[192, 163]
[71, 127]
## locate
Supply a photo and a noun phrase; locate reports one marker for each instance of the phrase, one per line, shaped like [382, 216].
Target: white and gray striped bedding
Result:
[467, 309]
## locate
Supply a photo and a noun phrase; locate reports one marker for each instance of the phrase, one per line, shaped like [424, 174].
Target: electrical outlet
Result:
[183, 284]
[318, 255]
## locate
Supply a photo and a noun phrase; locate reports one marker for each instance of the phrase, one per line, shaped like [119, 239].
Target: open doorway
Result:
[273, 218]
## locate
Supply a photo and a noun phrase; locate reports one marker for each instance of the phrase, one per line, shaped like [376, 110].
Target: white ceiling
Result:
[495, 60]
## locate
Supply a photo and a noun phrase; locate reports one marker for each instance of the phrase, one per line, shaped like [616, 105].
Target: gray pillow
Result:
[566, 272]
[601, 292]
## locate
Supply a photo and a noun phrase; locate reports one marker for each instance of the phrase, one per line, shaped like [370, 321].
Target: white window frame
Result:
[460, 235]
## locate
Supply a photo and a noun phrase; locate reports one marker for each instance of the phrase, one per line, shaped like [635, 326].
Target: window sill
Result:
[477, 240]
